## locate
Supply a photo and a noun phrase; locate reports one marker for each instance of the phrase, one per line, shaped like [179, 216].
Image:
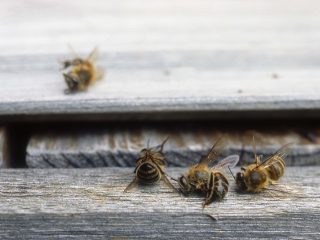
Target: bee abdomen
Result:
[221, 186]
[148, 173]
[276, 169]
[218, 187]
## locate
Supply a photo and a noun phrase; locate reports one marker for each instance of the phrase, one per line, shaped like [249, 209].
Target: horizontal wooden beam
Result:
[90, 203]
[212, 59]
[119, 146]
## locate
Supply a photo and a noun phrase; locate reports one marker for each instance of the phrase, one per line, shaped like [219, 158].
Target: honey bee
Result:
[80, 73]
[209, 180]
[149, 167]
[259, 175]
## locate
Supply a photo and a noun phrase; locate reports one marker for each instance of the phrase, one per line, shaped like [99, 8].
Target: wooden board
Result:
[165, 59]
[119, 146]
[90, 203]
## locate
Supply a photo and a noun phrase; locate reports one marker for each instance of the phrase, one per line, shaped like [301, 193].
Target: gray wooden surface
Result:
[90, 203]
[162, 59]
[119, 147]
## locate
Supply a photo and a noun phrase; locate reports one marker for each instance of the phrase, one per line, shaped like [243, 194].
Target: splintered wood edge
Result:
[120, 148]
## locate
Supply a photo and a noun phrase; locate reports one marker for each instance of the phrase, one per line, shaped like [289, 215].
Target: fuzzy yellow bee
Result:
[80, 73]
[209, 180]
[149, 167]
[259, 175]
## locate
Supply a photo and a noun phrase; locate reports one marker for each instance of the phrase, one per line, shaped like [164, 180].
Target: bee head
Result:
[184, 184]
[71, 81]
[66, 64]
[146, 153]
[241, 184]
[143, 153]
[69, 63]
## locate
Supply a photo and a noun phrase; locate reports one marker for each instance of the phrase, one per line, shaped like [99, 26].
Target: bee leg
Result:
[206, 202]
[166, 180]
[210, 191]
[131, 185]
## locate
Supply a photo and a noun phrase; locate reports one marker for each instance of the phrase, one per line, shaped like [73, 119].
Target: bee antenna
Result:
[93, 54]
[72, 50]
[162, 144]
[173, 179]
[254, 149]
[232, 173]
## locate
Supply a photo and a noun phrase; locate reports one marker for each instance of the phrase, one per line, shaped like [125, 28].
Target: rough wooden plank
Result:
[90, 203]
[119, 146]
[168, 58]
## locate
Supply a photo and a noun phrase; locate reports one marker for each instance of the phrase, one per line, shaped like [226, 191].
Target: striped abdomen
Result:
[275, 168]
[218, 187]
[148, 173]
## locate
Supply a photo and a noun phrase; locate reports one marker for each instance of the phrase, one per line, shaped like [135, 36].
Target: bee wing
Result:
[131, 185]
[281, 152]
[93, 55]
[71, 49]
[230, 161]
[284, 191]
[215, 151]
[168, 183]
[160, 146]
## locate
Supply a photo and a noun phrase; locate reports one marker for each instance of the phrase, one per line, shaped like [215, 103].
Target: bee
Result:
[209, 180]
[259, 175]
[80, 73]
[149, 167]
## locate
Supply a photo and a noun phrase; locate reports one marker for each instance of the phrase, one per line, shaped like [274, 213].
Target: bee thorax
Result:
[257, 177]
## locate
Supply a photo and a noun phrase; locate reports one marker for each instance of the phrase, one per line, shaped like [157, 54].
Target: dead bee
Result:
[149, 167]
[259, 175]
[208, 180]
[80, 73]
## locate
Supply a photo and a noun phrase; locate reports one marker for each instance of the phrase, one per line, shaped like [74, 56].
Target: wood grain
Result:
[119, 146]
[90, 203]
[166, 59]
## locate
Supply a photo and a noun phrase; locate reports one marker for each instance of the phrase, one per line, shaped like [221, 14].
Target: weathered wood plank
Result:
[165, 59]
[120, 146]
[90, 203]
[161, 25]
